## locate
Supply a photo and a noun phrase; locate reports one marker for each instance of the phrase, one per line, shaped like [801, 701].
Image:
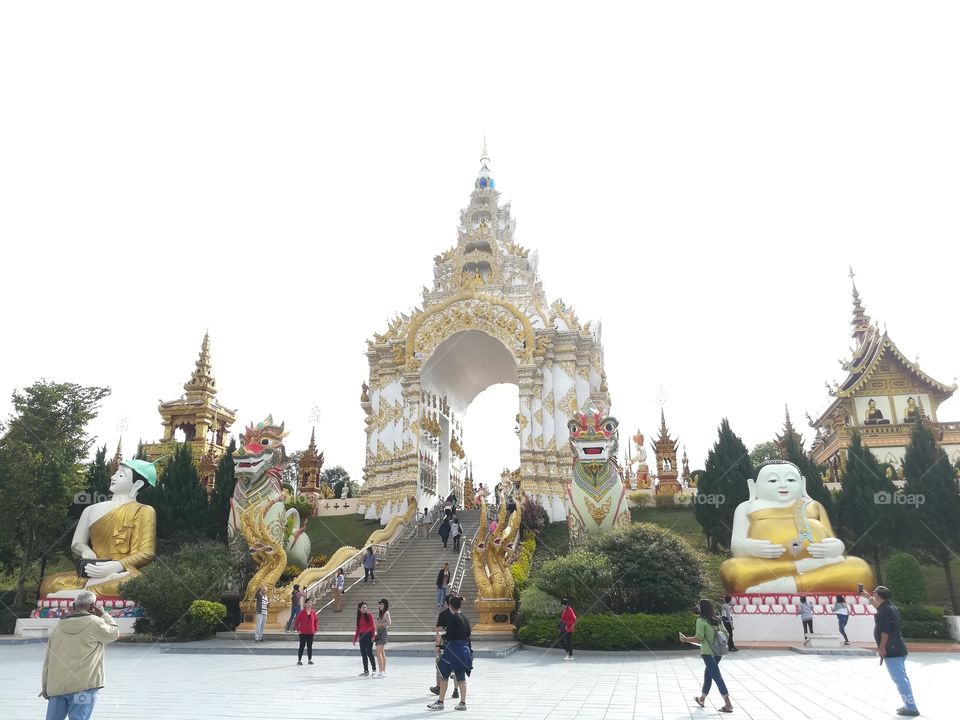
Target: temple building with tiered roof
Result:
[883, 394]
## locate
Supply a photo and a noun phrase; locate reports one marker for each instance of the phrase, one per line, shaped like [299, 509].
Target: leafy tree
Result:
[722, 486]
[335, 477]
[932, 505]
[864, 510]
[290, 475]
[585, 578]
[141, 453]
[41, 470]
[224, 485]
[98, 476]
[764, 452]
[654, 570]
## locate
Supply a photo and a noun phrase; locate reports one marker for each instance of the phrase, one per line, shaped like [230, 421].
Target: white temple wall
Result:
[547, 391]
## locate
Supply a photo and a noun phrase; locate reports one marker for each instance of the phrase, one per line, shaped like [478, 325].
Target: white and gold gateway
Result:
[485, 321]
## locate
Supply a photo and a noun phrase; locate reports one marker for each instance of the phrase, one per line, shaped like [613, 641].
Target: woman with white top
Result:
[338, 591]
[842, 612]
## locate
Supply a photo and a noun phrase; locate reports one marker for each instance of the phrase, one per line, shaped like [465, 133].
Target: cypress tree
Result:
[931, 505]
[864, 509]
[183, 501]
[791, 449]
[98, 476]
[722, 486]
[222, 492]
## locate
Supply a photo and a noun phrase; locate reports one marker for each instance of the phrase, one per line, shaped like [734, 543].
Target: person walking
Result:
[306, 625]
[263, 605]
[338, 591]
[73, 666]
[296, 602]
[444, 532]
[707, 624]
[456, 657]
[443, 619]
[443, 584]
[568, 620]
[369, 565]
[726, 617]
[806, 616]
[891, 648]
[366, 627]
[380, 640]
[456, 530]
[842, 612]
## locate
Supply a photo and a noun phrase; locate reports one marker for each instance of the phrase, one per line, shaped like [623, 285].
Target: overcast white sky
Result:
[697, 175]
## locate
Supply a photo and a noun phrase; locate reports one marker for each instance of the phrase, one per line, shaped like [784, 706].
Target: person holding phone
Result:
[707, 624]
[891, 648]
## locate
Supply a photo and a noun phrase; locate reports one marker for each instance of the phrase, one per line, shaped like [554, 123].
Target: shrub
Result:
[640, 499]
[301, 505]
[201, 620]
[585, 578]
[521, 566]
[905, 579]
[924, 613]
[533, 517]
[288, 574]
[613, 632]
[536, 604]
[318, 560]
[654, 569]
[684, 501]
[166, 587]
[664, 502]
[922, 621]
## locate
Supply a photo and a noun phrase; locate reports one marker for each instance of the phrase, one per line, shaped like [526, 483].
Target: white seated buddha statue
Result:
[782, 541]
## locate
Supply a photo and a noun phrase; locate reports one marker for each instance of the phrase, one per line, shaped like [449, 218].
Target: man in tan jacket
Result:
[73, 667]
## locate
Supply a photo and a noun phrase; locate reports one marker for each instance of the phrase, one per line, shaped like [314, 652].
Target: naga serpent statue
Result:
[491, 571]
[258, 463]
[596, 493]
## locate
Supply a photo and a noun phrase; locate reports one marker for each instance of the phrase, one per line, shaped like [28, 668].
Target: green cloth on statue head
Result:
[147, 469]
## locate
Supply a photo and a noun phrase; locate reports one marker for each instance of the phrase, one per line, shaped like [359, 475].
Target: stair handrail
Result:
[461, 567]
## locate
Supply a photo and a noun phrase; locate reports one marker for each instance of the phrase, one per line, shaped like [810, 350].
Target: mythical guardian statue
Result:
[258, 463]
[596, 493]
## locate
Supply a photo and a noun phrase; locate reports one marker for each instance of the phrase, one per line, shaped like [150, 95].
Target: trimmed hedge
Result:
[905, 578]
[614, 632]
[922, 621]
[521, 566]
[201, 620]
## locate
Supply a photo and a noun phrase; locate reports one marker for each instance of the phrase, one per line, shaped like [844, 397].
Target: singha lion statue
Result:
[258, 463]
[596, 493]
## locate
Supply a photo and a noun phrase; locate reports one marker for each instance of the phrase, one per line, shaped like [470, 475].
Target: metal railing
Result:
[381, 551]
[461, 567]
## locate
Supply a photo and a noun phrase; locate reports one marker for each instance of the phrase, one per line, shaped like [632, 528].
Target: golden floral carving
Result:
[598, 513]
[570, 401]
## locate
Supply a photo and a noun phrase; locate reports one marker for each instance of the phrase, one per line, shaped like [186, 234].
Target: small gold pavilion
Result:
[203, 421]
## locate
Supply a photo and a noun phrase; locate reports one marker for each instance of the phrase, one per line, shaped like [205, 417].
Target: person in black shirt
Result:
[442, 619]
[456, 658]
[891, 648]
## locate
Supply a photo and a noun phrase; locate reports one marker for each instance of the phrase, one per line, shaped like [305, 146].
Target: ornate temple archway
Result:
[485, 321]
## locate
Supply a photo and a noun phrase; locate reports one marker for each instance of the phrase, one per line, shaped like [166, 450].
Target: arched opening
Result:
[463, 366]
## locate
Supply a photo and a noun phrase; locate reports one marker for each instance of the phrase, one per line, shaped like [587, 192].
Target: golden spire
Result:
[201, 381]
[860, 321]
[114, 464]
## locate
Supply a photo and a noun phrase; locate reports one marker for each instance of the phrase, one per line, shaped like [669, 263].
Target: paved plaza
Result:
[146, 683]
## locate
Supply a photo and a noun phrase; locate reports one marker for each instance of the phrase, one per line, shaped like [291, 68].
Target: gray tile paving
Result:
[145, 683]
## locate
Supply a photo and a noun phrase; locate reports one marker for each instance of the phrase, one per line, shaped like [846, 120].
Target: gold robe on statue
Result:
[782, 526]
[128, 534]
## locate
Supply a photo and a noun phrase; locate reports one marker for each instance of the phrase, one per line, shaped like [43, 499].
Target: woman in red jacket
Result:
[366, 627]
[306, 625]
[568, 619]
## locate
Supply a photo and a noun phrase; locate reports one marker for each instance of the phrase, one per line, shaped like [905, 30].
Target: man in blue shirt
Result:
[891, 648]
